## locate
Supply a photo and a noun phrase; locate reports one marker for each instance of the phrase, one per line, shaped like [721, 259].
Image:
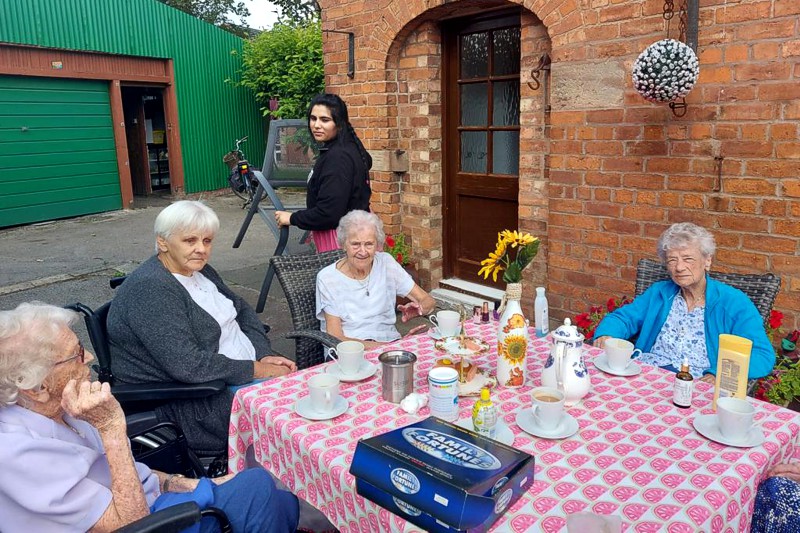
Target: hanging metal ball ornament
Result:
[665, 71]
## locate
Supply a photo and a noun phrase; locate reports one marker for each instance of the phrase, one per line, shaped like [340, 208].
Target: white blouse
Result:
[233, 343]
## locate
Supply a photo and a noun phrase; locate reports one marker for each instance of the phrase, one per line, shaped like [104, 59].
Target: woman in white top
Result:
[356, 295]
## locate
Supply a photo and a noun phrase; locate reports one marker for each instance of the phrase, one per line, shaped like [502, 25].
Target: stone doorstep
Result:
[460, 292]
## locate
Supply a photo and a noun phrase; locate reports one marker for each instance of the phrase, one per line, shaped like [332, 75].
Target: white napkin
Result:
[413, 403]
[593, 523]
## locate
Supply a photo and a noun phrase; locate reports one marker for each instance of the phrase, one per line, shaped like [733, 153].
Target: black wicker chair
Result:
[297, 275]
[761, 288]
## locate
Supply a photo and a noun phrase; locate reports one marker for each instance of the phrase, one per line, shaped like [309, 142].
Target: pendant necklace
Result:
[364, 283]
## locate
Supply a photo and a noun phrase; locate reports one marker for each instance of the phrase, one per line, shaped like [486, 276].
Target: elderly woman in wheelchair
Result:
[684, 316]
[175, 320]
[65, 455]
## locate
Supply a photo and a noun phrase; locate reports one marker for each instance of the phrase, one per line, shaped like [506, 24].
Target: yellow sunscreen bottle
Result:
[733, 364]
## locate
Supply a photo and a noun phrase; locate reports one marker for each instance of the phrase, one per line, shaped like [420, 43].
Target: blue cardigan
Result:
[728, 310]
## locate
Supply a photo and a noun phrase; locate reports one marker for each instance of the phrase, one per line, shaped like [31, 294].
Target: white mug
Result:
[324, 391]
[619, 353]
[447, 322]
[548, 407]
[349, 356]
[735, 417]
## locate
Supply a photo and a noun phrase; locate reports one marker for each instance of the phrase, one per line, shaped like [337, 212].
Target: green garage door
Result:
[57, 152]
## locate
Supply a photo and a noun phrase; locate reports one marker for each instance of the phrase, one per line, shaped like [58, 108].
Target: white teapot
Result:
[565, 369]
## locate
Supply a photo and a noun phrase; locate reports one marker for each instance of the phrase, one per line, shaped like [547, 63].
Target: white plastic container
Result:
[540, 313]
[443, 393]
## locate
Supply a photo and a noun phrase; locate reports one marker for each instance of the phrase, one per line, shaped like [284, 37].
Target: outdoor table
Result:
[635, 455]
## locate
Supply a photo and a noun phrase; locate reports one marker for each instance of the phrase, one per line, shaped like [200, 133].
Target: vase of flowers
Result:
[587, 322]
[512, 328]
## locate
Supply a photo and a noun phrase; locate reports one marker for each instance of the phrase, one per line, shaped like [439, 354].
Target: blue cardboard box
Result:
[441, 477]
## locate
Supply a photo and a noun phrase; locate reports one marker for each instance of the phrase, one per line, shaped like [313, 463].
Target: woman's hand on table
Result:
[272, 366]
[409, 311]
[417, 329]
[708, 378]
[791, 471]
[598, 342]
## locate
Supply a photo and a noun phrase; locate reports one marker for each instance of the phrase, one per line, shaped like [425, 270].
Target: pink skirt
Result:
[325, 240]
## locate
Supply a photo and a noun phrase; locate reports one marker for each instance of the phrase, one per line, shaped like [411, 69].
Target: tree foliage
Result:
[216, 12]
[284, 65]
[298, 12]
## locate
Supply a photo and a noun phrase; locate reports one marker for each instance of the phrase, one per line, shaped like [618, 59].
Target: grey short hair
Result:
[185, 215]
[358, 219]
[685, 234]
[29, 343]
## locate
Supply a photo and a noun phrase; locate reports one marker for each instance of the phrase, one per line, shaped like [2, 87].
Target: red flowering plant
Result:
[588, 322]
[783, 384]
[398, 248]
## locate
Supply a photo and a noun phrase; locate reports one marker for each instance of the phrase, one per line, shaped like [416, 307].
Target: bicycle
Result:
[242, 180]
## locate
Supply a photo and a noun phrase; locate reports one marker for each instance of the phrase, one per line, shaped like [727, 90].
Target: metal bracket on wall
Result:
[542, 68]
[351, 51]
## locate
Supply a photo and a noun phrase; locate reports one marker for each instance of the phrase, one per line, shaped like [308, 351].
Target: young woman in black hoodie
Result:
[339, 181]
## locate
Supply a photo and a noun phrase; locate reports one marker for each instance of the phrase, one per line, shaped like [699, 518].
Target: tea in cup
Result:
[323, 391]
[447, 322]
[735, 418]
[619, 353]
[349, 356]
[548, 407]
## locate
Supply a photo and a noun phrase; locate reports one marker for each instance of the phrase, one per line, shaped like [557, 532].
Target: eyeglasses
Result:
[80, 354]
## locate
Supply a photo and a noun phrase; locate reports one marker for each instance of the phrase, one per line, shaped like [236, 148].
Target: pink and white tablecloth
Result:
[636, 455]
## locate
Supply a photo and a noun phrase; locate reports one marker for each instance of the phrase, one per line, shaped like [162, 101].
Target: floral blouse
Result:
[683, 335]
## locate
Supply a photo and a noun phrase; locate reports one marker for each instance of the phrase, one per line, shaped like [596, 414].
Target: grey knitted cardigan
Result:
[158, 333]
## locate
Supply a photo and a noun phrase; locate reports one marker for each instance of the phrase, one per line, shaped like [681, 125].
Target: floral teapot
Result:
[565, 369]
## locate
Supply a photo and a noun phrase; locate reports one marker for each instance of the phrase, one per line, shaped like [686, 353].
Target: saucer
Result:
[434, 334]
[366, 370]
[708, 427]
[504, 435]
[304, 409]
[633, 369]
[567, 427]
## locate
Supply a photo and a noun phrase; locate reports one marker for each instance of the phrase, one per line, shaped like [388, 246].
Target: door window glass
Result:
[473, 151]
[474, 108]
[475, 55]
[505, 152]
[505, 105]
[506, 51]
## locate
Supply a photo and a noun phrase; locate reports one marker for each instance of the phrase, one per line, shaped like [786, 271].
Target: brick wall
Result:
[604, 172]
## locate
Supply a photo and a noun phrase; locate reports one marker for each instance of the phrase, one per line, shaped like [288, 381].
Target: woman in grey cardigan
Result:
[174, 319]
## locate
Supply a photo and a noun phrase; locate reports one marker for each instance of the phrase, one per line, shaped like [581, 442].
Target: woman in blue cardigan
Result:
[684, 316]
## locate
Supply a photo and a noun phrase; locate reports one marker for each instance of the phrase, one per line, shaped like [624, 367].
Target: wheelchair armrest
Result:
[325, 338]
[175, 518]
[136, 392]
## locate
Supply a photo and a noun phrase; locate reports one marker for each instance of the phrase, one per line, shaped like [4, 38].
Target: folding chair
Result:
[276, 173]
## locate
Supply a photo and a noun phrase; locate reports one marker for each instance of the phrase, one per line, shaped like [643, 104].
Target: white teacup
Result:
[349, 356]
[324, 391]
[619, 353]
[548, 407]
[447, 322]
[735, 417]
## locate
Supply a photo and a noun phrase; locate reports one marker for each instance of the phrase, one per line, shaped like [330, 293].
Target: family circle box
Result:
[441, 477]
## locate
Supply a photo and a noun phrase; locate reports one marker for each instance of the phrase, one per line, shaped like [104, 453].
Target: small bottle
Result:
[476, 314]
[684, 386]
[484, 415]
[485, 312]
[540, 314]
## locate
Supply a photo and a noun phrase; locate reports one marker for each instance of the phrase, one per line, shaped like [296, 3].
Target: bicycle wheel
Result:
[242, 192]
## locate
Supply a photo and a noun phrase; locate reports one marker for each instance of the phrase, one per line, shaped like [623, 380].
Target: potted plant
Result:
[782, 386]
[397, 247]
[588, 322]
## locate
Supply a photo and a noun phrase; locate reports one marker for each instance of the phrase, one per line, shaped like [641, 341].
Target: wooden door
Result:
[481, 138]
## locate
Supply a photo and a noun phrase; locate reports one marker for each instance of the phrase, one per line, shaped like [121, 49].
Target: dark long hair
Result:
[345, 132]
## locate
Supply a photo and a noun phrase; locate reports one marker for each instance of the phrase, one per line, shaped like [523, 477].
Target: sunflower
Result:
[515, 348]
[491, 265]
[516, 238]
